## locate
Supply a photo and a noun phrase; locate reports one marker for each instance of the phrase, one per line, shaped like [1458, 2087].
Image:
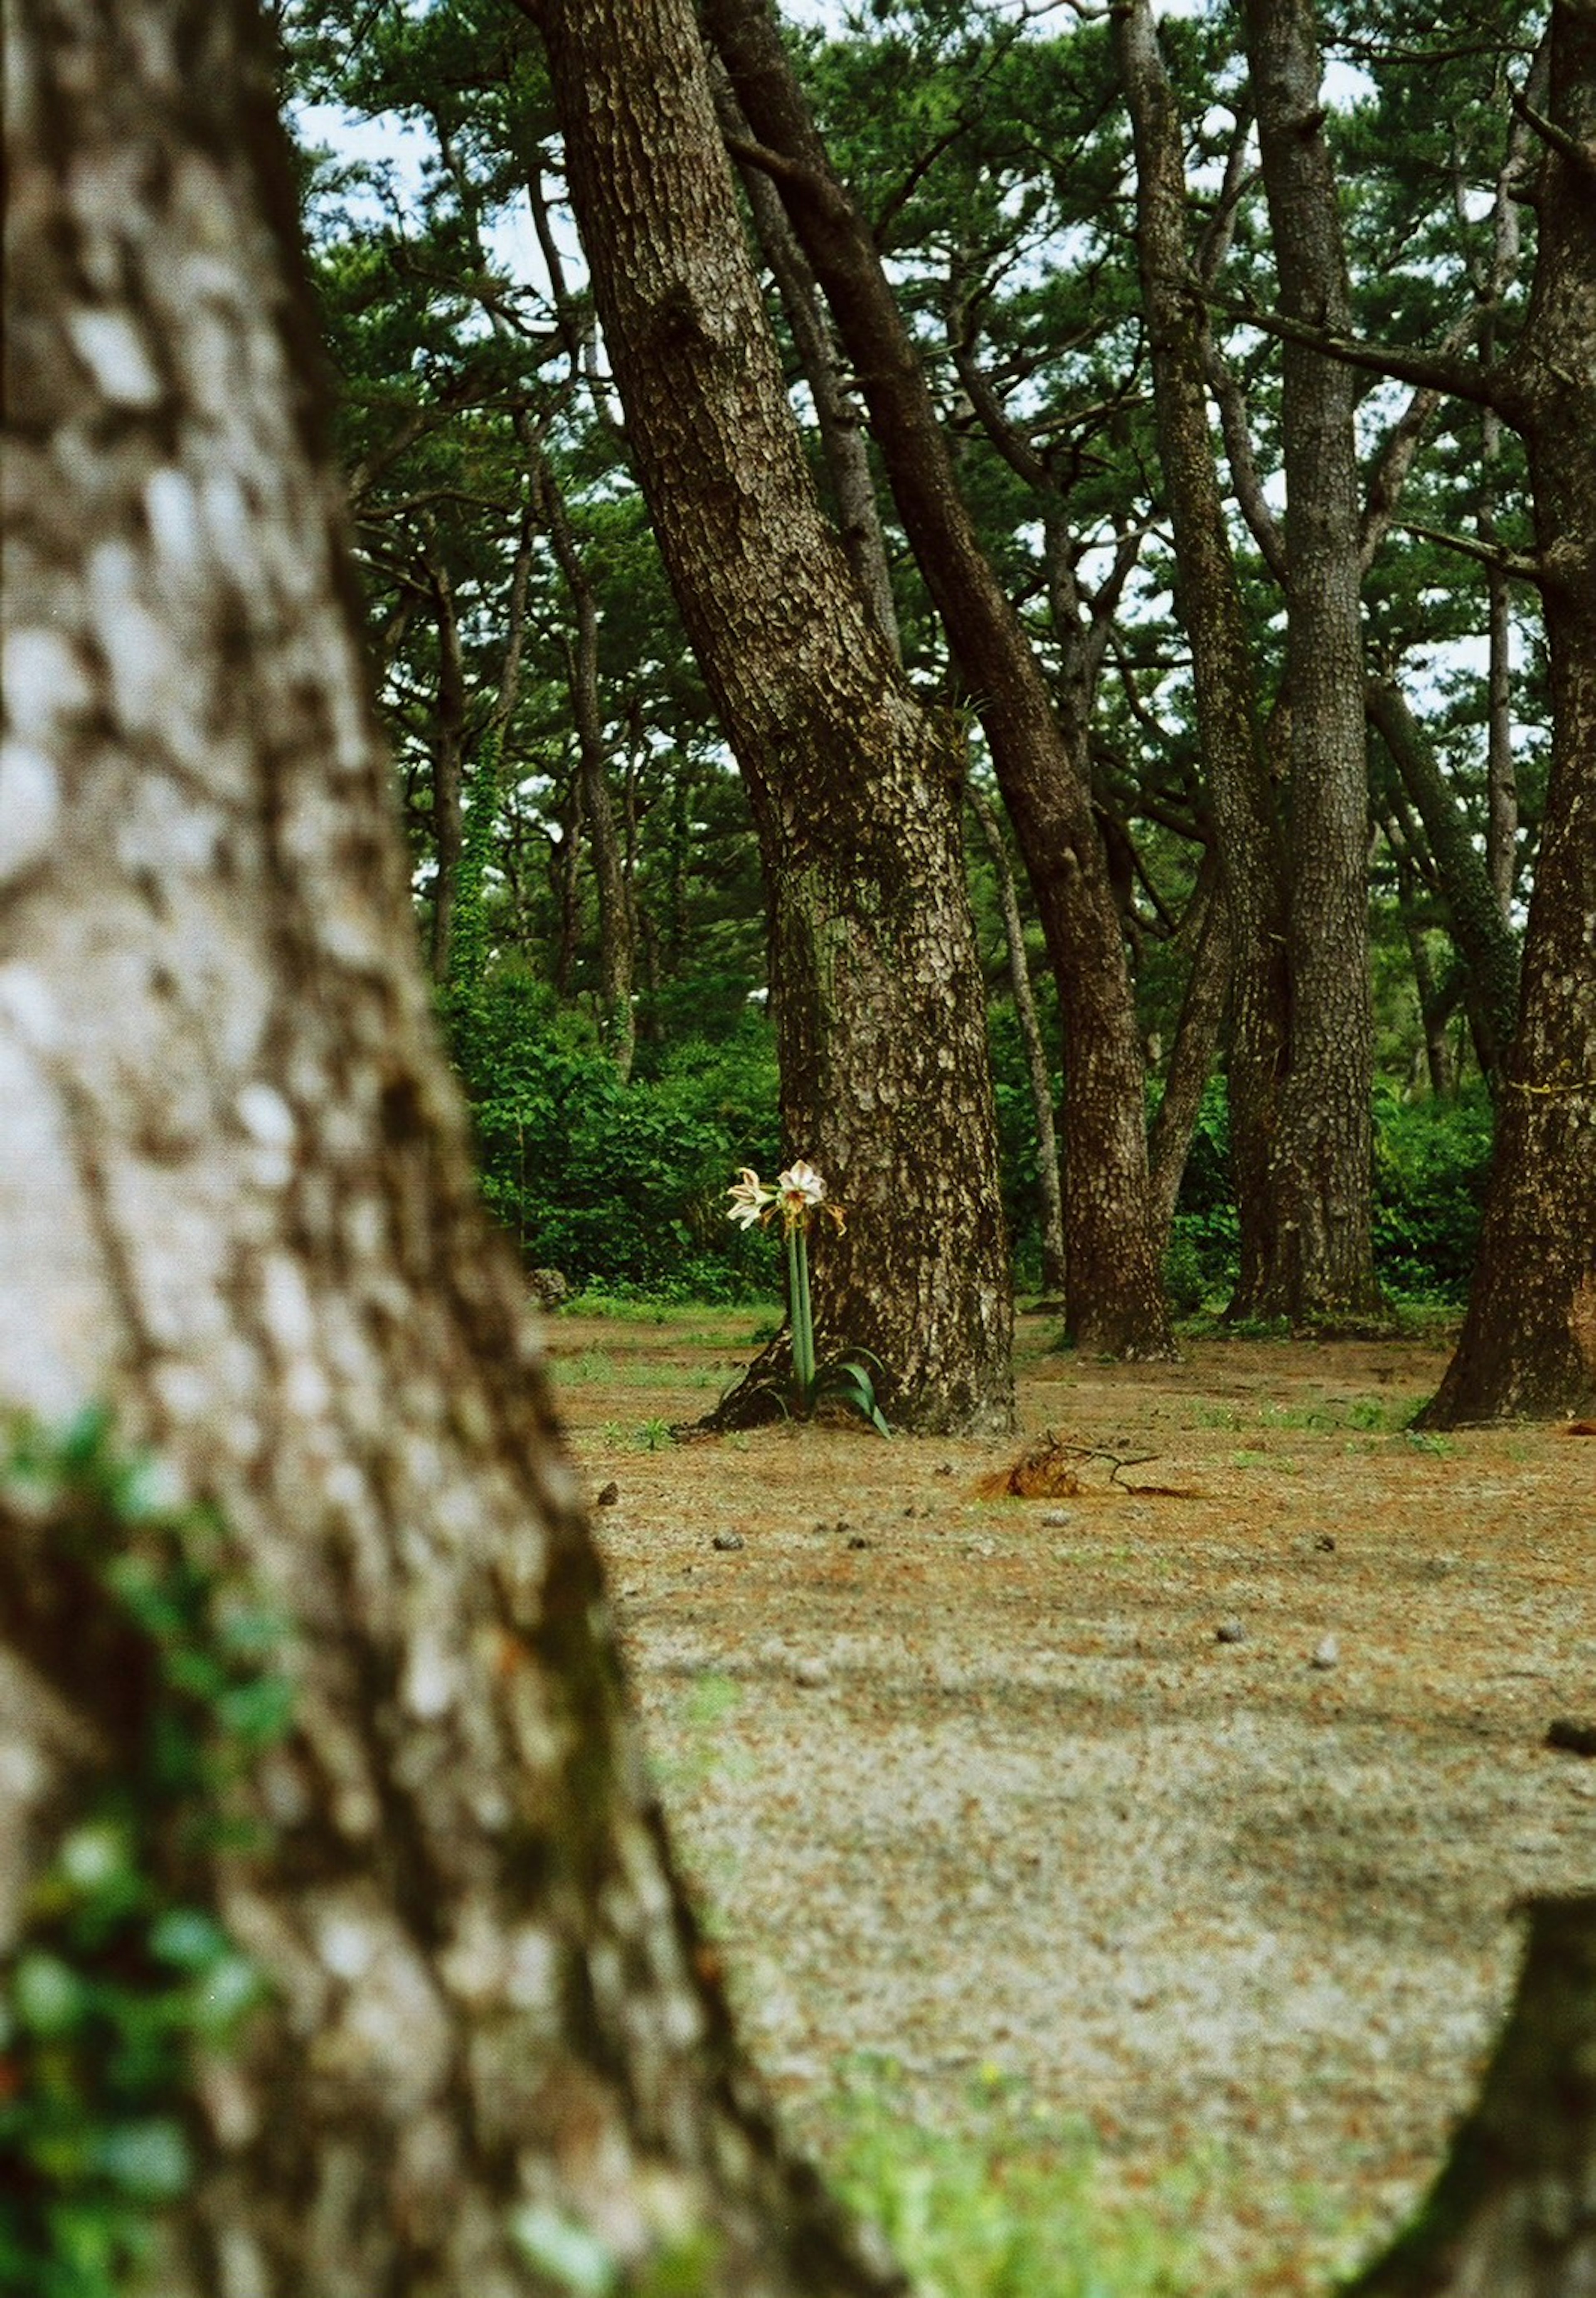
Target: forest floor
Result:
[1001, 1838]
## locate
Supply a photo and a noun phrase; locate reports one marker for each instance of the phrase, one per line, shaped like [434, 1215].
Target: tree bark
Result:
[235, 1207]
[1513, 2213]
[1323, 1266]
[1050, 1204]
[1529, 1344]
[469, 939]
[1502, 773]
[854, 789]
[1116, 1300]
[1501, 777]
[1249, 834]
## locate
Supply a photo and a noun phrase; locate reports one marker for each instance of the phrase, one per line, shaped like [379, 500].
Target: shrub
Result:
[1432, 1165]
[619, 1186]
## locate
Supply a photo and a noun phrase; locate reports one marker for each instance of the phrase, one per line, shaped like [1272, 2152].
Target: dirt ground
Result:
[978, 1784]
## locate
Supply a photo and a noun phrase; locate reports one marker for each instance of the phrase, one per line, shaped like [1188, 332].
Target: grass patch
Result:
[700, 1324]
[621, 1311]
[592, 1365]
[1014, 2206]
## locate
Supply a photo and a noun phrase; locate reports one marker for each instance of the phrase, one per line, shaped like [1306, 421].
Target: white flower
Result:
[798, 1191]
[751, 1198]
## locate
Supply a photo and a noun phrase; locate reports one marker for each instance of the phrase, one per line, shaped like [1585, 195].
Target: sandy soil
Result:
[976, 1784]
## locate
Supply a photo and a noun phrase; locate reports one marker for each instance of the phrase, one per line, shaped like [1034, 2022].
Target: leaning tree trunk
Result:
[837, 415]
[1479, 931]
[880, 1006]
[1528, 1344]
[1050, 1204]
[236, 1208]
[1324, 1255]
[1115, 1292]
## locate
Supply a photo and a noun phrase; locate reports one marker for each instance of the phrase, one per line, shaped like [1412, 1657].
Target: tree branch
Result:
[1512, 563]
[810, 185]
[1237, 436]
[1579, 156]
[1429, 371]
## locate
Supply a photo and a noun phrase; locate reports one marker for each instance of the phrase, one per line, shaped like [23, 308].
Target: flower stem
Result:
[803, 1324]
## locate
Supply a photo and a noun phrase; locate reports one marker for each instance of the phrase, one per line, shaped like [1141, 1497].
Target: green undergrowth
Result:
[1016, 2204]
[1019, 2200]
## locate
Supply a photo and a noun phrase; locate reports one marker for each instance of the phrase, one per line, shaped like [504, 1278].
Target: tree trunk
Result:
[1050, 1204]
[1116, 1300]
[1513, 2213]
[1478, 929]
[449, 767]
[1323, 1266]
[468, 939]
[1248, 832]
[235, 1207]
[617, 1023]
[879, 1007]
[1528, 1344]
[1502, 773]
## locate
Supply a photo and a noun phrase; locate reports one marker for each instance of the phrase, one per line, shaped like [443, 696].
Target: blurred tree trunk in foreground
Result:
[236, 1208]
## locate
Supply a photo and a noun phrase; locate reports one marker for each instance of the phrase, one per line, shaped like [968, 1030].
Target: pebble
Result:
[1230, 1631]
[726, 1541]
[811, 1673]
[1054, 1518]
[1326, 1654]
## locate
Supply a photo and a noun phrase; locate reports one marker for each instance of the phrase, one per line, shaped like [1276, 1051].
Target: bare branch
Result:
[1579, 156]
[1237, 433]
[1458, 378]
[1513, 563]
[806, 181]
